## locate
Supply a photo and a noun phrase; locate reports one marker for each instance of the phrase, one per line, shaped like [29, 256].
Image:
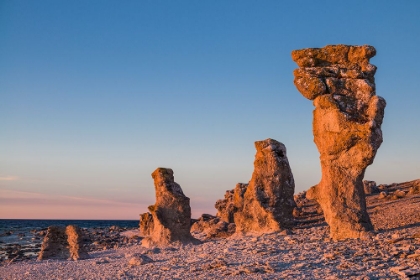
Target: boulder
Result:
[414, 190]
[139, 259]
[213, 227]
[398, 194]
[370, 187]
[382, 195]
[347, 129]
[171, 214]
[268, 203]
[63, 243]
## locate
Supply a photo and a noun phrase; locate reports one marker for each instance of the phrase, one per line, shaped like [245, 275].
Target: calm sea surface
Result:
[19, 231]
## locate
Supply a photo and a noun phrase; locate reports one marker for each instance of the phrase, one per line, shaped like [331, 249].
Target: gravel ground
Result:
[305, 252]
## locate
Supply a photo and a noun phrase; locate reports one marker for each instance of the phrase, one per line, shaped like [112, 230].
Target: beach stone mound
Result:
[63, 243]
[268, 200]
[232, 203]
[170, 220]
[213, 227]
[347, 129]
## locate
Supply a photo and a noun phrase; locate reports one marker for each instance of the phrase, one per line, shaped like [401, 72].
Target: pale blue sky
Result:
[95, 95]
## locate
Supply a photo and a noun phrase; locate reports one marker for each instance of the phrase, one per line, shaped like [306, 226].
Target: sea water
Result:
[21, 231]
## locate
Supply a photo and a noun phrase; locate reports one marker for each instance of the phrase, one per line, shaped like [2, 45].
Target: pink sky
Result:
[32, 205]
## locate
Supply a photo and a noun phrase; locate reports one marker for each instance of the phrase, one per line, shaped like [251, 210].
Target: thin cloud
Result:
[12, 196]
[32, 205]
[8, 178]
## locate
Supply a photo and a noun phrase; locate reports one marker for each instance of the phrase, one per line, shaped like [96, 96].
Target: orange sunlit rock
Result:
[171, 214]
[347, 129]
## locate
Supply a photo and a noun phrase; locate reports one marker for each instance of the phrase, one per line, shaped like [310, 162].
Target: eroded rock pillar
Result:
[170, 220]
[267, 203]
[347, 129]
[63, 243]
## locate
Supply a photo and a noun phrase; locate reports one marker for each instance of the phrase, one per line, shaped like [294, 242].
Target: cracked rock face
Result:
[347, 129]
[170, 220]
[267, 203]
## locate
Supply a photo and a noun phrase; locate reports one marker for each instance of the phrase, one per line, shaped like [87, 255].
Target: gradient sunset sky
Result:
[95, 95]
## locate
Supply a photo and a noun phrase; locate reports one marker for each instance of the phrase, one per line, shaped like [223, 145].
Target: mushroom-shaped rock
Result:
[171, 214]
[268, 203]
[347, 129]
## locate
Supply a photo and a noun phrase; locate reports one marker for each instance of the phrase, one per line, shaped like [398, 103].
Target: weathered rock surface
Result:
[347, 129]
[75, 243]
[268, 200]
[63, 243]
[213, 227]
[171, 214]
[232, 203]
[55, 244]
[146, 224]
[370, 187]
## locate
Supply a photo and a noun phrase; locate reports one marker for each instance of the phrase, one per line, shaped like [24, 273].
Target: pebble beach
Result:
[392, 251]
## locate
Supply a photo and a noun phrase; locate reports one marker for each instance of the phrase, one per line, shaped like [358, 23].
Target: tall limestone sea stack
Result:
[267, 202]
[347, 129]
[170, 218]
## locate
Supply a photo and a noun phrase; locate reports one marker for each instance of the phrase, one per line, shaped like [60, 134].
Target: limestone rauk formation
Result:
[171, 214]
[54, 245]
[267, 203]
[232, 203]
[347, 129]
[63, 243]
[75, 241]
